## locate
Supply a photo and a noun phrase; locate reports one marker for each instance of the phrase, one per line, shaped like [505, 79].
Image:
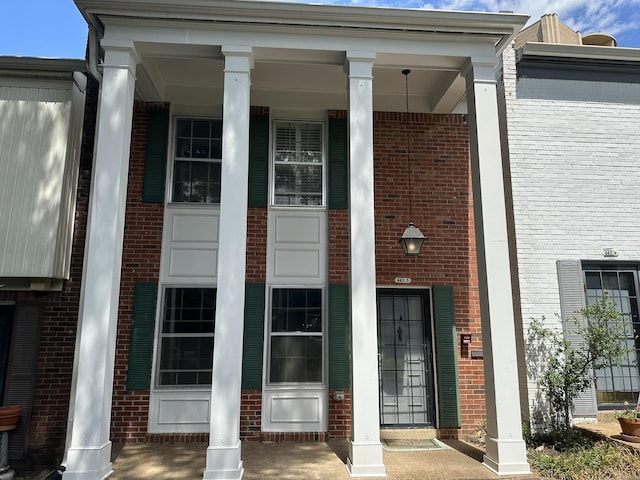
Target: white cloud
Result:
[614, 17]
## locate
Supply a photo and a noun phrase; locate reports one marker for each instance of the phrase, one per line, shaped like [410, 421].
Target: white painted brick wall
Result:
[575, 168]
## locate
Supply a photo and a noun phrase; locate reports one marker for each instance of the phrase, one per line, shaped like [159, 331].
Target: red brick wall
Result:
[340, 415]
[140, 263]
[339, 246]
[256, 269]
[439, 183]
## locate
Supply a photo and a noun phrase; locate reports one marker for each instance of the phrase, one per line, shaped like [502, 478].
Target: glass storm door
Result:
[405, 364]
[617, 384]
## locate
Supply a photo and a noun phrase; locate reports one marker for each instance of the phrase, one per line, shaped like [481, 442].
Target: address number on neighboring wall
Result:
[404, 280]
[609, 252]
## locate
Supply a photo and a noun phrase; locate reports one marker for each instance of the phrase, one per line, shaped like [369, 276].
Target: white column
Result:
[365, 449]
[223, 454]
[505, 448]
[89, 453]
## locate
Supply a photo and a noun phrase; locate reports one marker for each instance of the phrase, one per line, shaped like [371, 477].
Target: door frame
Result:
[429, 353]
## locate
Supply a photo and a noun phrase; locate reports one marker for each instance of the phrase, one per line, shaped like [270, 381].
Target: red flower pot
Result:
[630, 426]
[9, 417]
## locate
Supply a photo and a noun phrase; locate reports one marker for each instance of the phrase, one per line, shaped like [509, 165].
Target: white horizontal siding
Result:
[34, 131]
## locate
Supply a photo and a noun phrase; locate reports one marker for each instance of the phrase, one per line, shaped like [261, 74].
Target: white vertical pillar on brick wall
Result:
[505, 451]
[89, 454]
[365, 451]
[223, 454]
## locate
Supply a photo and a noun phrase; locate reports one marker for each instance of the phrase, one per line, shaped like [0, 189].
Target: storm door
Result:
[405, 365]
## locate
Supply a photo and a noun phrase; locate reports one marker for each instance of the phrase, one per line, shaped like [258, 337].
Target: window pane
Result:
[297, 184]
[196, 182]
[200, 148]
[187, 353]
[296, 359]
[201, 128]
[593, 280]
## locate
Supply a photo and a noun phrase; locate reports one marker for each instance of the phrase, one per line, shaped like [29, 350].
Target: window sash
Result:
[187, 331]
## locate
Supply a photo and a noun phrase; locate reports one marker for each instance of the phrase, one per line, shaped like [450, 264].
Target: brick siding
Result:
[140, 263]
[442, 209]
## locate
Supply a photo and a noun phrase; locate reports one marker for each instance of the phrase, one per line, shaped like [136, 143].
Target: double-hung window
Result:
[298, 163]
[197, 161]
[186, 336]
[296, 336]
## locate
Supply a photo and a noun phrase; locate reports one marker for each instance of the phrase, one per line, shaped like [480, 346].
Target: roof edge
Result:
[308, 14]
[584, 52]
[41, 64]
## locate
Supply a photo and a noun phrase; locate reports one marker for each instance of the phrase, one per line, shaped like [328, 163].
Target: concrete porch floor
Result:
[309, 461]
[294, 461]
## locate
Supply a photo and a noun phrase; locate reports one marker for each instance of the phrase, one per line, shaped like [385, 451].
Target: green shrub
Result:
[570, 454]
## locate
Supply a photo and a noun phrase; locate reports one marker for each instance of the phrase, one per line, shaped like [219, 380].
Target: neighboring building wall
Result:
[575, 174]
[60, 317]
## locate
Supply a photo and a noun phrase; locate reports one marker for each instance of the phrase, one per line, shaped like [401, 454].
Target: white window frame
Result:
[161, 335]
[269, 334]
[173, 158]
[322, 164]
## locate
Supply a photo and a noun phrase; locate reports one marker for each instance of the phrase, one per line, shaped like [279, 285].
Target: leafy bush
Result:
[567, 368]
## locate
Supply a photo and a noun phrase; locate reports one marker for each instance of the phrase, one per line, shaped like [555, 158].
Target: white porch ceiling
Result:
[194, 76]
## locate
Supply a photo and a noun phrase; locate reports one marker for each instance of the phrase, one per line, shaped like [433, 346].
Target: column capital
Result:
[238, 58]
[120, 54]
[359, 63]
[480, 70]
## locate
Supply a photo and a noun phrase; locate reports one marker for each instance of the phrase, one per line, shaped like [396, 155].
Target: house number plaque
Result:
[403, 280]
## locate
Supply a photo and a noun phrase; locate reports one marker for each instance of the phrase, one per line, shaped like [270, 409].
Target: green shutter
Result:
[338, 163]
[258, 161]
[142, 327]
[339, 338]
[446, 357]
[253, 336]
[155, 163]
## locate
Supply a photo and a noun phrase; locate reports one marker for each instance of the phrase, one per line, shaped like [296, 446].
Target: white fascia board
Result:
[41, 67]
[505, 25]
[146, 33]
[587, 52]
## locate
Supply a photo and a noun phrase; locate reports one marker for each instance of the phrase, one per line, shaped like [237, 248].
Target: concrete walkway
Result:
[295, 461]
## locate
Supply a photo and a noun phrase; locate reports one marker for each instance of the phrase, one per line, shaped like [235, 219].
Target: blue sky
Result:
[55, 28]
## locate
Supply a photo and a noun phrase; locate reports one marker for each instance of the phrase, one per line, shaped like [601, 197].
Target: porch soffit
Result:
[182, 63]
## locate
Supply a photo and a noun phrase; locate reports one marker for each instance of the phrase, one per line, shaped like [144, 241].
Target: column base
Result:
[88, 463]
[7, 475]
[365, 460]
[223, 463]
[506, 457]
